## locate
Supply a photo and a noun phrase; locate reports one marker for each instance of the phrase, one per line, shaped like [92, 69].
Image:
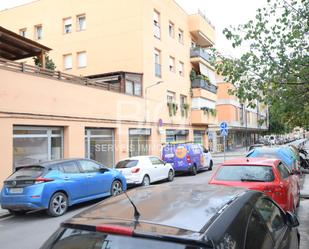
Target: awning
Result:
[141, 131]
[177, 132]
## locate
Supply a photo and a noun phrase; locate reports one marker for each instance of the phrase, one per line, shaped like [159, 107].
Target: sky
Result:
[221, 13]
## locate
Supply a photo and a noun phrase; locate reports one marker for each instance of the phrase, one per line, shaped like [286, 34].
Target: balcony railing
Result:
[157, 70]
[199, 52]
[56, 75]
[202, 83]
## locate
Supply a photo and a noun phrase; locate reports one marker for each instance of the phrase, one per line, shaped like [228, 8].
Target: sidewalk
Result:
[235, 152]
[4, 213]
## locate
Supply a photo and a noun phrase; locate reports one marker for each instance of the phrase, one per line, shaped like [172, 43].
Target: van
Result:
[187, 157]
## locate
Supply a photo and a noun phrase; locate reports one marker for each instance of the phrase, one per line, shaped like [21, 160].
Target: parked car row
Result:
[56, 185]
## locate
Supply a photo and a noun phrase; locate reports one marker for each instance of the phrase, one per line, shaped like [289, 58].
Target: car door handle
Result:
[66, 178]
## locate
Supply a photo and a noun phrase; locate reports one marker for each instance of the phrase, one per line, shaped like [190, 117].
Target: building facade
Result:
[245, 124]
[130, 76]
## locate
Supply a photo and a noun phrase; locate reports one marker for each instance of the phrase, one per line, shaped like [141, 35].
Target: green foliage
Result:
[275, 68]
[49, 64]
[184, 110]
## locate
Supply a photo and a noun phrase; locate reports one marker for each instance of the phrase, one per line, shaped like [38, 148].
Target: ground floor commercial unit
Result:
[30, 139]
[236, 138]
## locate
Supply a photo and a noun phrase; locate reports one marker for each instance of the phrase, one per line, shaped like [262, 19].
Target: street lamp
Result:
[145, 103]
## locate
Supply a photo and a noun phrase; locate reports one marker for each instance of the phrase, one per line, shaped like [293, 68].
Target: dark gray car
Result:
[181, 217]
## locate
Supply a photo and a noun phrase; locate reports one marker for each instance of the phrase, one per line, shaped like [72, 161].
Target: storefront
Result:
[139, 142]
[198, 136]
[32, 144]
[100, 145]
[176, 135]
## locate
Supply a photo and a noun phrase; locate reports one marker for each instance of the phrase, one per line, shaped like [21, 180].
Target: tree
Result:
[49, 64]
[275, 67]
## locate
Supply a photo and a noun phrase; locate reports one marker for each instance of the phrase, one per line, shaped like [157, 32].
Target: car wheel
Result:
[17, 213]
[116, 188]
[170, 177]
[146, 181]
[210, 165]
[194, 170]
[58, 204]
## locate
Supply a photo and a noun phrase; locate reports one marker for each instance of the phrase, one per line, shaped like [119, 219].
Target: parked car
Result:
[56, 185]
[278, 152]
[196, 216]
[270, 176]
[187, 157]
[272, 140]
[145, 170]
[255, 146]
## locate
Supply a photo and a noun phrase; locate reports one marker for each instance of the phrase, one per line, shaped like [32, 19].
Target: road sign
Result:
[224, 129]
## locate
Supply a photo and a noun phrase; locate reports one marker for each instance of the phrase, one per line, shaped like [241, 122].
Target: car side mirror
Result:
[103, 170]
[291, 219]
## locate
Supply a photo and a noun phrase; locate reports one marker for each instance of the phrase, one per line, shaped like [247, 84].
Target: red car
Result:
[270, 176]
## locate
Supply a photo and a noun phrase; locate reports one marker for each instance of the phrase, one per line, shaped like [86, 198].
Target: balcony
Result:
[201, 30]
[201, 117]
[158, 70]
[199, 52]
[199, 82]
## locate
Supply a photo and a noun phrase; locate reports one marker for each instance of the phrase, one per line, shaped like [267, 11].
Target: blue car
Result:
[56, 185]
[282, 153]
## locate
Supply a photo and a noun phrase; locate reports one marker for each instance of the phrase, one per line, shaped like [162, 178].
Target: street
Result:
[31, 230]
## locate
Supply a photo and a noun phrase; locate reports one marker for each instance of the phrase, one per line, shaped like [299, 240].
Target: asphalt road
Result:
[31, 230]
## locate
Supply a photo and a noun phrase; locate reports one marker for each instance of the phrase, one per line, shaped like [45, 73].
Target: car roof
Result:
[252, 161]
[52, 162]
[137, 157]
[178, 208]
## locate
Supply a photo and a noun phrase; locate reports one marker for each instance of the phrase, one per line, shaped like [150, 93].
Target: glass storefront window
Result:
[36, 144]
[99, 146]
[198, 137]
[138, 145]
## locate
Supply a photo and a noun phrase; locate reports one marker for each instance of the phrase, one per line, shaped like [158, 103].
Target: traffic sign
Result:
[224, 129]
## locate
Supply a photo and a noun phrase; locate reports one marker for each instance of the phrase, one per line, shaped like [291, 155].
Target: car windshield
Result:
[126, 164]
[27, 172]
[245, 173]
[79, 239]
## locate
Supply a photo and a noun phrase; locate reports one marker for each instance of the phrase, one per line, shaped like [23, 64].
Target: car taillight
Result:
[115, 230]
[188, 159]
[42, 179]
[136, 170]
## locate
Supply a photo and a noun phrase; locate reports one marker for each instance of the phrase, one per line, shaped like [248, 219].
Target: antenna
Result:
[136, 213]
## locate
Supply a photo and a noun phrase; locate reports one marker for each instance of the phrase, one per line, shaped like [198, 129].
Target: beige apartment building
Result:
[245, 124]
[130, 76]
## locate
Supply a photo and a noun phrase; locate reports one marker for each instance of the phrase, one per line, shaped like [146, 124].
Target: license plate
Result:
[16, 190]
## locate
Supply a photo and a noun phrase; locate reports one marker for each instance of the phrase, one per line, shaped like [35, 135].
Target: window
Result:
[67, 61]
[283, 170]
[180, 36]
[171, 29]
[81, 22]
[272, 216]
[81, 59]
[193, 44]
[138, 145]
[181, 68]
[36, 144]
[170, 97]
[67, 25]
[183, 100]
[245, 173]
[38, 31]
[157, 59]
[69, 168]
[172, 64]
[126, 164]
[89, 166]
[23, 32]
[198, 137]
[257, 235]
[99, 145]
[133, 88]
[155, 161]
[156, 24]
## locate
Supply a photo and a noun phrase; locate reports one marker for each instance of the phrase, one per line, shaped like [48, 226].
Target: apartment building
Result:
[245, 124]
[130, 76]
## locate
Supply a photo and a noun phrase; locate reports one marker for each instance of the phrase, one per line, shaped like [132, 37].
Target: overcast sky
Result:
[222, 13]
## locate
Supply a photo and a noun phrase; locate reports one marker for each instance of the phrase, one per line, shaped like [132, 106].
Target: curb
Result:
[4, 215]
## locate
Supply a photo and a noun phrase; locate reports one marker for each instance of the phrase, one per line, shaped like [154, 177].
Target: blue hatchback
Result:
[56, 185]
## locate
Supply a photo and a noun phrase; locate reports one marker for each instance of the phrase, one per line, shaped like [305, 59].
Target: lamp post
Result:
[145, 101]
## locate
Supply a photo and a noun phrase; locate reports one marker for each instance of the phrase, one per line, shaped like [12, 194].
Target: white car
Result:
[144, 170]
